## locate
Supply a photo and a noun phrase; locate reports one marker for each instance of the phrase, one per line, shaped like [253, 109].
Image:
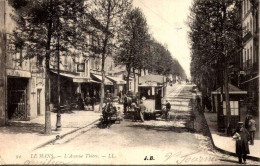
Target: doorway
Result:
[39, 101]
[17, 98]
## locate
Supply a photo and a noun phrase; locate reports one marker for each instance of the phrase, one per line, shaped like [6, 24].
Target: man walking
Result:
[242, 137]
[125, 103]
[252, 129]
[142, 109]
[168, 108]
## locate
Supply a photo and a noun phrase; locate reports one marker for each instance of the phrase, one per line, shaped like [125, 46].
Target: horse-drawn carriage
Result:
[110, 114]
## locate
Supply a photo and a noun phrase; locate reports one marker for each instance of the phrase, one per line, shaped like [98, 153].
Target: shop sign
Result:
[33, 85]
[18, 73]
[80, 80]
[81, 67]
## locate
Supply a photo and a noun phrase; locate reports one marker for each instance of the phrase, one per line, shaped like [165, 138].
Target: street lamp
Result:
[58, 123]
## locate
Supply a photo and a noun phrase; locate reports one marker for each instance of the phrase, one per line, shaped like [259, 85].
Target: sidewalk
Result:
[227, 144]
[20, 137]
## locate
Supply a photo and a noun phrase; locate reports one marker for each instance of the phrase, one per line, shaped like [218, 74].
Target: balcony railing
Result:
[247, 36]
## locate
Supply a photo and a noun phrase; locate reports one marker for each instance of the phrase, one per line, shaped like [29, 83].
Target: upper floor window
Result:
[243, 10]
[244, 57]
[250, 56]
[251, 25]
[65, 62]
[255, 54]
[18, 58]
[245, 7]
[39, 60]
[92, 63]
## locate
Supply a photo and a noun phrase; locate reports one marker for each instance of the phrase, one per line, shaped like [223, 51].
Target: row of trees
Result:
[216, 38]
[138, 50]
[54, 28]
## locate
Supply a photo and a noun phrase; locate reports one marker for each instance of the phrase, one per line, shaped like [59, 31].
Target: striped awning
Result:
[99, 78]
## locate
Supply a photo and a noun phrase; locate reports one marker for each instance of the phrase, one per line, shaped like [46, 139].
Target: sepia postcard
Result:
[129, 82]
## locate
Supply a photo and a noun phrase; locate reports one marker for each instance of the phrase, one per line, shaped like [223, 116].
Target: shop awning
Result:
[81, 79]
[250, 79]
[152, 78]
[76, 78]
[117, 80]
[92, 81]
[99, 78]
[232, 90]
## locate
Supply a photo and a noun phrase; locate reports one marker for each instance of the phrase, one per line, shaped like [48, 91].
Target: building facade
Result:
[249, 75]
[2, 64]
[22, 81]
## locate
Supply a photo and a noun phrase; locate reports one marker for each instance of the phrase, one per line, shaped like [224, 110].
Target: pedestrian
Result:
[242, 137]
[125, 103]
[247, 121]
[198, 105]
[80, 102]
[208, 103]
[93, 102]
[120, 96]
[134, 111]
[168, 108]
[252, 129]
[204, 103]
[142, 110]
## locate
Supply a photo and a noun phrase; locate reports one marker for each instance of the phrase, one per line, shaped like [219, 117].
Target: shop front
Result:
[72, 88]
[109, 86]
[119, 85]
[18, 94]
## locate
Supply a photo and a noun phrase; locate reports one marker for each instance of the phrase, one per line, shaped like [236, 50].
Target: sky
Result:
[166, 20]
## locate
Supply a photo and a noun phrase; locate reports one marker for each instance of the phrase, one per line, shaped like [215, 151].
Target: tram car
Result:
[152, 91]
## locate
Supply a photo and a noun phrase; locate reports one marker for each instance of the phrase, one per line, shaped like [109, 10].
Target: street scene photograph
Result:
[129, 82]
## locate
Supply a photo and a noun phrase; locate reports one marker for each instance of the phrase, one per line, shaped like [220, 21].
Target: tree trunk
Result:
[104, 51]
[224, 47]
[134, 80]
[103, 77]
[127, 78]
[47, 79]
[102, 91]
[227, 99]
[47, 96]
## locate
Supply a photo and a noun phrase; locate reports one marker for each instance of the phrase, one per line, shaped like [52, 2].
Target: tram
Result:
[151, 92]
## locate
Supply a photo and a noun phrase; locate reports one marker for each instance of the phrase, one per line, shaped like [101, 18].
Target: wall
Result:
[2, 66]
[36, 82]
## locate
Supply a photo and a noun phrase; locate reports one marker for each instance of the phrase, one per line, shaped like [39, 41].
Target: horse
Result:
[108, 111]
